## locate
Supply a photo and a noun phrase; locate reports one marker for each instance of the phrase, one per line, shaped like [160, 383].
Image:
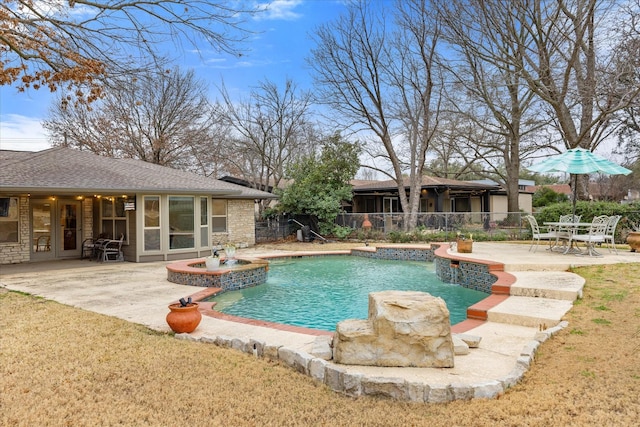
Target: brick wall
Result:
[241, 224]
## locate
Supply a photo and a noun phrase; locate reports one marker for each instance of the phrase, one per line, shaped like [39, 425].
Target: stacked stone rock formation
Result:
[404, 329]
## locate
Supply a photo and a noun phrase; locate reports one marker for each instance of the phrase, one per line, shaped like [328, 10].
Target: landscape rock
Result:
[404, 328]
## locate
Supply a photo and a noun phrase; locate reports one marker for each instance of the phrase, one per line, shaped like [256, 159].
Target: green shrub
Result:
[341, 232]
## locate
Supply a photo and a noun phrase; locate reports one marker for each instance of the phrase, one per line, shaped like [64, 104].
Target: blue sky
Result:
[276, 51]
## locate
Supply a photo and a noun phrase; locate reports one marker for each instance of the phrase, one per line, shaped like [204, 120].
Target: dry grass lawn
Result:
[64, 366]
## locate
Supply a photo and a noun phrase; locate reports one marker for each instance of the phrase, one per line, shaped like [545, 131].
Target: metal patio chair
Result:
[111, 250]
[537, 234]
[610, 234]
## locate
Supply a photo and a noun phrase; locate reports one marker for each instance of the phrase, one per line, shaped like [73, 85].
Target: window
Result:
[181, 222]
[9, 220]
[151, 223]
[113, 218]
[204, 221]
[218, 216]
[390, 205]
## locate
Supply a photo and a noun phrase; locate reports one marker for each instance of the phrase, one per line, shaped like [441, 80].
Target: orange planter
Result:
[184, 319]
[633, 239]
[464, 246]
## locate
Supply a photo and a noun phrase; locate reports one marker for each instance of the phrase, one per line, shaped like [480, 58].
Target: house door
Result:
[69, 219]
[43, 231]
[55, 231]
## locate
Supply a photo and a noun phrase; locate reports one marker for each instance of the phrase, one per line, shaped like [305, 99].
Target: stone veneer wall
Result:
[87, 218]
[241, 223]
[13, 253]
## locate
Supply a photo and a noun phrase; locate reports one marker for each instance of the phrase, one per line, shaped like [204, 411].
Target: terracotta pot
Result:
[633, 239]
[366, 224]
[464, 246]
[184, 319]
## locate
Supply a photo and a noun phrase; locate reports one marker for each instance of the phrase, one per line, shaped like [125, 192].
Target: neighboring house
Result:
[436, 195]
[52, 200]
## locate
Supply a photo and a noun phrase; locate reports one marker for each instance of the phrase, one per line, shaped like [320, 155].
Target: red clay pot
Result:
[184, 319]
[633, 239]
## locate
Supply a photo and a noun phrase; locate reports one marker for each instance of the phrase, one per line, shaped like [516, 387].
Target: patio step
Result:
[548, 284]
[529, 311]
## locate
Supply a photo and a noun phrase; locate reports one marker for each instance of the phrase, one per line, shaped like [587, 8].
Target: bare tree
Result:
[627, 76]
[567, 63]
[382, 78]
[490, 92]
[270, 130]
[162, 118]
[77, 43]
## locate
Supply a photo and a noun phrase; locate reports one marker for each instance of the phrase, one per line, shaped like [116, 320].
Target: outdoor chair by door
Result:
[111, 250]
[43, 244]
[537, 234]
[88, 248]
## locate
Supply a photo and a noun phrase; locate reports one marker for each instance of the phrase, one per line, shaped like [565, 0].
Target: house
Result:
[436, 195]
[52, 200]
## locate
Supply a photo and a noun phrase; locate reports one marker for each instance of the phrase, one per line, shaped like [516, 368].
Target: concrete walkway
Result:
[542, 295]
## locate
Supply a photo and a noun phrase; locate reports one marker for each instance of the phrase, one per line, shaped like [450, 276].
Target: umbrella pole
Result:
[575, 193]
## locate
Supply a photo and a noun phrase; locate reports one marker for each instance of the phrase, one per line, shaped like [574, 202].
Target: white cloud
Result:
[279, 9]
[22, 133]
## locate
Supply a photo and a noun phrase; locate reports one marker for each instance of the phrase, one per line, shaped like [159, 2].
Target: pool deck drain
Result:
[540, 296]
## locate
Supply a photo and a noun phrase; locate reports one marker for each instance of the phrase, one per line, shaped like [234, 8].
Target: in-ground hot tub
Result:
[246, 272]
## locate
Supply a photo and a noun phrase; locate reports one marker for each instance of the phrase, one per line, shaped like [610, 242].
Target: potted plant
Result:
[229, 254]
[184, 316]
[464, 244]
[633, 239]
[212, 261]
[229, 251]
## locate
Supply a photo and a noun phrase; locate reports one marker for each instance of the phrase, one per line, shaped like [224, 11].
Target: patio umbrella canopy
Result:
[579, 161]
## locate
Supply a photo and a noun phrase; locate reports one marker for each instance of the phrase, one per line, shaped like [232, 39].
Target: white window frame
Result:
[225, 216]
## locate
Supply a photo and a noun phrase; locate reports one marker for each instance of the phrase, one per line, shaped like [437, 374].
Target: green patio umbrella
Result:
[578, 161]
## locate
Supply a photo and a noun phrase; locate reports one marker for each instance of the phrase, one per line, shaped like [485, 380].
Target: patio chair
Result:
[88, 248]
[43, 244]
[564, 233]
[596, 235]
[610, 234]
[111, 250]
[537, 235]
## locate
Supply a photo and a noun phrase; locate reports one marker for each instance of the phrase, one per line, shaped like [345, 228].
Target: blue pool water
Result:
[318, 292]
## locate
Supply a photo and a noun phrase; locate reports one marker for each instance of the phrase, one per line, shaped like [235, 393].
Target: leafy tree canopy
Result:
[546, 196]
[320, 182]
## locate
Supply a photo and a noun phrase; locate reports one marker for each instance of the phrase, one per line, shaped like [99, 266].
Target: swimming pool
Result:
[318, 292]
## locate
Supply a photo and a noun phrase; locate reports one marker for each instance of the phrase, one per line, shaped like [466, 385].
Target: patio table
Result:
[572, 228]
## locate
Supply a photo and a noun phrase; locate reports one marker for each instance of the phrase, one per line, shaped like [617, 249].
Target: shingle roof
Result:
[427, 181]
[65, 170]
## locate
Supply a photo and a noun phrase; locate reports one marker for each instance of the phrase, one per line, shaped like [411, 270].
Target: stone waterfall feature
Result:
[403, 329]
